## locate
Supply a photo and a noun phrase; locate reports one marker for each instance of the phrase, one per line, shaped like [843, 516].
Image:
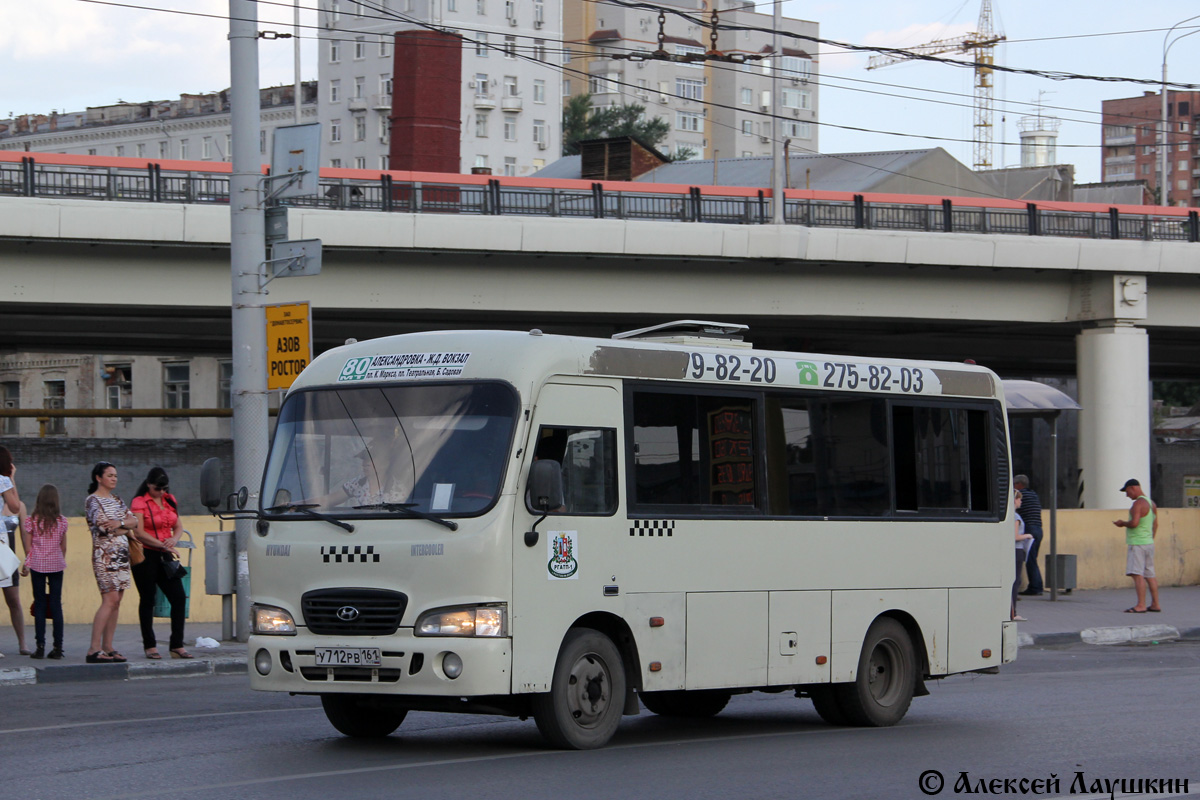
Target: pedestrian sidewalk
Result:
[1096, 617]
[227, 658]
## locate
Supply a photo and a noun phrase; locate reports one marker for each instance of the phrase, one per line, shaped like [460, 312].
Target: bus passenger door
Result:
[799, 625]
[573, 568]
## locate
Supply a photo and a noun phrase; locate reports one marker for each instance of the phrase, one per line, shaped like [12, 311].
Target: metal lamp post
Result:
[1164, 184]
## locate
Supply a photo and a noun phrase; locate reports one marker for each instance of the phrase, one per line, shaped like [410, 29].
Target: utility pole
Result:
[247, 251]
[777, 199]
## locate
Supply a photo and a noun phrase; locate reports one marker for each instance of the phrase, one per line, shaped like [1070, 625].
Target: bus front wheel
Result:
[887, 674]
[351, 716]
[695, 704]
[587, 693]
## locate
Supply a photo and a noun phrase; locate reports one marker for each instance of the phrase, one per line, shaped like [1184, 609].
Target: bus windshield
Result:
[391, 450]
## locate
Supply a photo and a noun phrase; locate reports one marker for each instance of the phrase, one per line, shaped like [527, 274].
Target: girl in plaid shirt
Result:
[45, 539]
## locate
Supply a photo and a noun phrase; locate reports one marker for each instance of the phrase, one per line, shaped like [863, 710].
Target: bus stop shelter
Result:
[1033, 399]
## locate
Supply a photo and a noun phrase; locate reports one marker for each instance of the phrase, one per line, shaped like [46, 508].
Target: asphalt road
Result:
[1108, 712]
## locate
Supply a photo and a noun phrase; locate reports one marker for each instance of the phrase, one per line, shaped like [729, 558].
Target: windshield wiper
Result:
[307, 510]
[408, 510]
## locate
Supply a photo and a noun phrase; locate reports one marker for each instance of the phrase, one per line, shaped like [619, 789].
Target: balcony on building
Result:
[1114, 160]
[511, 102]
[485, 101]
[357, 104]
[381, 102]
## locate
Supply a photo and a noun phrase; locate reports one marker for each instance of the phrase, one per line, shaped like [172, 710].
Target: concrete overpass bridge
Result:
[129, 275]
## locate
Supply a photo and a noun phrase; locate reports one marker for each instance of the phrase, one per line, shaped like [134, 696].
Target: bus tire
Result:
[694, 704]
[824, 700]
[887, 674]
[352, 717]
[587, 693]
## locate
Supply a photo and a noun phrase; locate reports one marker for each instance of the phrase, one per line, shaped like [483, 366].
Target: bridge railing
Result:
[52, 175]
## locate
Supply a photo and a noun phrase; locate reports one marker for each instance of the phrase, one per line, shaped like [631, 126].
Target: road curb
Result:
[1129, 633]
[85, 673]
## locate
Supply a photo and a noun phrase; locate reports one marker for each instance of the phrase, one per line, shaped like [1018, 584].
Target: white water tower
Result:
[1039, 140]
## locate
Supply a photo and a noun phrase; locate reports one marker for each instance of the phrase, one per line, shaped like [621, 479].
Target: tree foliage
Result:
[582, 122]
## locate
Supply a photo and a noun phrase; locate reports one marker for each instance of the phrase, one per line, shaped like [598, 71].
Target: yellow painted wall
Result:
[1099, 548]
[81, 598]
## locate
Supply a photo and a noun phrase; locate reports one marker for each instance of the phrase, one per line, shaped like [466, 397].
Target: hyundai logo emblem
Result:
[347, 613]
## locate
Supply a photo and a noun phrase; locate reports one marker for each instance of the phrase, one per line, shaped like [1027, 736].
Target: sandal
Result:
[117, 657]
[1133, 610]
[98, 657]
[181, 653]
[154, 655]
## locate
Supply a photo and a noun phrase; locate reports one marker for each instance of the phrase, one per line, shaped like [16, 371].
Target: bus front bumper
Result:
[409, 665]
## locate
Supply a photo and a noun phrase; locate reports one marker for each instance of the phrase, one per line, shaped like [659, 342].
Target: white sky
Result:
[69, 54]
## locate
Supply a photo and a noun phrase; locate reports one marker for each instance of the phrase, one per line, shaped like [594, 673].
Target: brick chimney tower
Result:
[426, 102]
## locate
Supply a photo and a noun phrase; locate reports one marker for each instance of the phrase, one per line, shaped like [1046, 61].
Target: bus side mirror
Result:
[210, 484]
[545, 492]
[545, 485]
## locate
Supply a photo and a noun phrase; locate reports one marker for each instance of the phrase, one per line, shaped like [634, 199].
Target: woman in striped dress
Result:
[111, 524]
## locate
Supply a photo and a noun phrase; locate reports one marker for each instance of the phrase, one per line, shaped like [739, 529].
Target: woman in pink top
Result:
[45, 538]
[158, 515]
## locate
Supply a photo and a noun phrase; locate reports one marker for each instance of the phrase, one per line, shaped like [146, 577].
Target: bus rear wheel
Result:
[353, 716]
[694, 704]
[887, 675]
[587, 693]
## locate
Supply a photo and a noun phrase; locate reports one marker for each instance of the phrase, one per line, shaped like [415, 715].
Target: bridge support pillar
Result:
[1114, 425]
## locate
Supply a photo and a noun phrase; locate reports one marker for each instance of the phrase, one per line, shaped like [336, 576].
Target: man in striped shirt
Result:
[1031, 512]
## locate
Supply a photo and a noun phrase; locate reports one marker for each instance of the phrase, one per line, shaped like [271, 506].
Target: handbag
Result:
[9, 563]
[137, 552]
[172, 568]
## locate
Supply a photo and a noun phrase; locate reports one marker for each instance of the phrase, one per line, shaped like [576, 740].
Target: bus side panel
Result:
[854, 611]
[666, 643]
[968, 637]
[799, 634]
[726, 634]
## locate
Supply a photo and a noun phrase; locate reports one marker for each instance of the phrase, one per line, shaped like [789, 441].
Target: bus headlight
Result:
[272, 620]
[464, 621]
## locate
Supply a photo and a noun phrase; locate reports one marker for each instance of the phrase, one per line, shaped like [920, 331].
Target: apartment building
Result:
[715, 109]
[196, 127]
[510, 106]
[1132, 135]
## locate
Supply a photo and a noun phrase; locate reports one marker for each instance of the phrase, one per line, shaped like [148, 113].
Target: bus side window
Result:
[589, 466]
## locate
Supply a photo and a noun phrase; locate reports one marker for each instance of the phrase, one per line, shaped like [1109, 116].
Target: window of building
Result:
[141, 151]
[747, 96]
[539, 131]
[91, 151]
[539, 91]
[510, 165]
[1181, 184]
[360, 128]
[120, 150]
[539, 50]
[54, 396]
[336, 163]
[747, 154]
[795, 67]
[229, 147]
[360, 162]
[689, 88]
[360, 48]
[383, 162]
[385, 84]
[688, 121]
[360, 88]
[335, 10]
[539, 13]
[224, 384]
[510, 86]
[1182, 147]
[1181, 166]
[206, 148]
[384, 129]
[604, 84]
[335, 52]
[118, 385]
[510, 9]
[176, 384]
[452, 5]
[335, 130]
[481, 162]
[262, 141]
[481, 125]
[385, 46]
[481, 7]
[797, 130]
[510, 128]
[10, 397]
[796, 98]
[335, 91]
[481, 45]
[566, 87]
[481, 84]
[510, 47]
[183, 148]
[747, 127]
[687, 49]
[164, 150]
[589, 467]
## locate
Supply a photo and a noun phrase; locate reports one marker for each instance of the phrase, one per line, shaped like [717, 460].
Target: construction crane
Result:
[981, 44]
